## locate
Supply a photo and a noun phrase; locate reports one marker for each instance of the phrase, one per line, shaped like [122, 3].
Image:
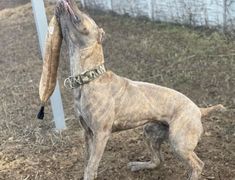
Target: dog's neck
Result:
[85, 59]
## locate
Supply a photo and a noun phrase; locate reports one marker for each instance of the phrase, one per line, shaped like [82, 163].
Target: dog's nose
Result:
[63, 2]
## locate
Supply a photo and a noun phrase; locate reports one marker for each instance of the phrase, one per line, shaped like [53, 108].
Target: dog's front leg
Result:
[100, 125]
[88, 143]
[88, 140]
[97, 147]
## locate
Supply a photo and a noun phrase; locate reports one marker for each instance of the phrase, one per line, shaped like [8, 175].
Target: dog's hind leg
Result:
[155, 134]
[194, 163]
[184, 137]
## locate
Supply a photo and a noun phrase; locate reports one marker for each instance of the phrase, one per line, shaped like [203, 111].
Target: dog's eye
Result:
[77, 20]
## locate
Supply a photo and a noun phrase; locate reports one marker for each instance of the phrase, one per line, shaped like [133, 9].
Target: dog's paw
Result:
[137, 166]
[134, 166]
[222, 108]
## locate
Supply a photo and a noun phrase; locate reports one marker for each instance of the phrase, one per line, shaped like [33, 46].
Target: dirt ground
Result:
[199, 63]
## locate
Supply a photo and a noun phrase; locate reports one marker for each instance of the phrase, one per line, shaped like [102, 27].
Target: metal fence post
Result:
[42, 26]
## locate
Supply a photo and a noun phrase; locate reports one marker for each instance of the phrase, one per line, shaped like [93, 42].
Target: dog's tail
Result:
[209, 110]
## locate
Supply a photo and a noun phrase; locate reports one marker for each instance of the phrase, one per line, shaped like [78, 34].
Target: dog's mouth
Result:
[77, 27]
[69, 17]
[67, 7]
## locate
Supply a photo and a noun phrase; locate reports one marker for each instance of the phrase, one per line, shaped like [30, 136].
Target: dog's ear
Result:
[101, 35]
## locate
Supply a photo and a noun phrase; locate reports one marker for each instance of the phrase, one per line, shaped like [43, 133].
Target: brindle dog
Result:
[111, 103]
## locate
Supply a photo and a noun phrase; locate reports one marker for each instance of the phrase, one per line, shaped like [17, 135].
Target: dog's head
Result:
[77, 27]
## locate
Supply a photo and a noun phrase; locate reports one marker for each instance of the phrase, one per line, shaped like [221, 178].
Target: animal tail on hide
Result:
[209, 110]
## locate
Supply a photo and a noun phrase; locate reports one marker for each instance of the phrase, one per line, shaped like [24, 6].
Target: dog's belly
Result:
[125, 125]
[135, 118]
